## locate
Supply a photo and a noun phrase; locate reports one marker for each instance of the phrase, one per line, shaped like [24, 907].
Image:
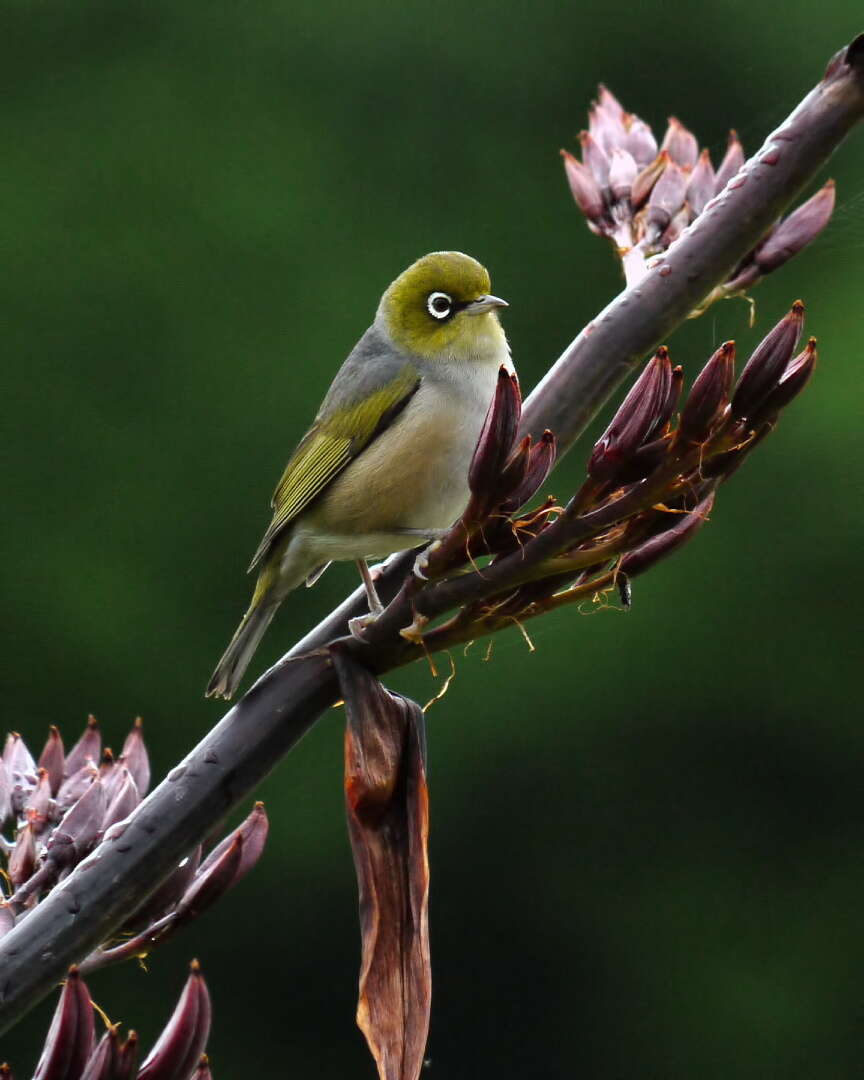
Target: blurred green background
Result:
[647, 836]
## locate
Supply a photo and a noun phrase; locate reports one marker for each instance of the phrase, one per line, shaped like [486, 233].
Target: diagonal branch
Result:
[245, 745]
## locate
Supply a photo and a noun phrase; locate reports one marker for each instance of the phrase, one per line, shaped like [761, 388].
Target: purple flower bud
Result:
[680, 143]
[124, 800]
[792, 381]
[540, 461]
[128, 1067]
[595, 158]
[702, 184]
[104, 1062]
[497, 436]
[684, 528]
[768, 362]
[640, 142]
[18, 759]
[731, 163]
[229, 862]
[70, 1037]
[6, 1072]
[75, 785]
[645, 181]
[182, 1042]
[607, 101]
[585, 189]
[23, 857]
[622, 173]
[77, 831]
[134, 756]
[709, 395]
[203, 1070]
[639, 415]
[607, 128]
[665, 200]
[39, 805]
[52, 758]
[88, 748]
[796, 231]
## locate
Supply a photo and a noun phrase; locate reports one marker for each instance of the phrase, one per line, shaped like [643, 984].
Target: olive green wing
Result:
[334, 440]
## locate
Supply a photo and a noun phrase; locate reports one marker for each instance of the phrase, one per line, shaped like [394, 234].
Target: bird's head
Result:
[441, 308]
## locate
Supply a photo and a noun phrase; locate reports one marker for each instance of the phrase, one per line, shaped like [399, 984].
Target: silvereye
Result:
[385, 464]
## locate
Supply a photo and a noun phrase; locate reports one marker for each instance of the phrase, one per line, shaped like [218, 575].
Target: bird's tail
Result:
[229, 670]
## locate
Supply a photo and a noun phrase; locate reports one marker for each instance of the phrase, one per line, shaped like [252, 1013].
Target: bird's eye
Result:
[439, 305]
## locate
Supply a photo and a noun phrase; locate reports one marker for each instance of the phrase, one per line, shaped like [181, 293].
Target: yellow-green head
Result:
[441, 307]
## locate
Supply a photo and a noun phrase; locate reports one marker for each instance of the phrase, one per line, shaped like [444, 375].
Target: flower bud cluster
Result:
[62, 805]
[642, 197]
[72, 1051]
[652, 480]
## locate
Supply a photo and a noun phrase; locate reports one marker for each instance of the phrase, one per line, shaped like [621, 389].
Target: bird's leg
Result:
[358, 624]
[375, 605]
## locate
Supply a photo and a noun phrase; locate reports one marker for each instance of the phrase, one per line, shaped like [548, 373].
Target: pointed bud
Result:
[128, 1066]
[731, 163]
[39, 805]
[70, 1037]
[23, 857]
[88, 748]
[607, 128]
[226, 865]
[665, 200]
[253, 832]
[796, 231]
[640, 142]
[181, 1044]
[77, 831]
[540, 462]
[768, 362]
[595, 158]
[792, 381]
[607, 101]
[20, 766]
[497, 436]
[203, 1070]
[584, 188]
[74, 786]
[680, 143]
[622, 173]
[640, 414]
[514, 471]
[104, 1062]
[684, 528]
[709, 395]
[52, 758]
[124, 800]
[134, 756]
[701, 187]
[646, 180]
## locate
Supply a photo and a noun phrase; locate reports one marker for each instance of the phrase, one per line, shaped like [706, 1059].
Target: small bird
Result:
[385, 464]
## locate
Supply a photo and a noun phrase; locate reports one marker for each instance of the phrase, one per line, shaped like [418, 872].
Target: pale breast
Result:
[415, 474]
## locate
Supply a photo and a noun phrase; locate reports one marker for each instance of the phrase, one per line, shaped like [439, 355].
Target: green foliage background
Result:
[648, 839]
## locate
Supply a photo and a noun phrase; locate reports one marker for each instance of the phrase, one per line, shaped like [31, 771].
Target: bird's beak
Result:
[485, 303]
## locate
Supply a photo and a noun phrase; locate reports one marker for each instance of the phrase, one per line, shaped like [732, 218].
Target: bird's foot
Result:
[358, 624]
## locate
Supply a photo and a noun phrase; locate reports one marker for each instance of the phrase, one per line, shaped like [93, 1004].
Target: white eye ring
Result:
[439, 305]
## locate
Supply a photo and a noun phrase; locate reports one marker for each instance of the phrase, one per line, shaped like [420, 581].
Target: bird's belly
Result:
[414, 476]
